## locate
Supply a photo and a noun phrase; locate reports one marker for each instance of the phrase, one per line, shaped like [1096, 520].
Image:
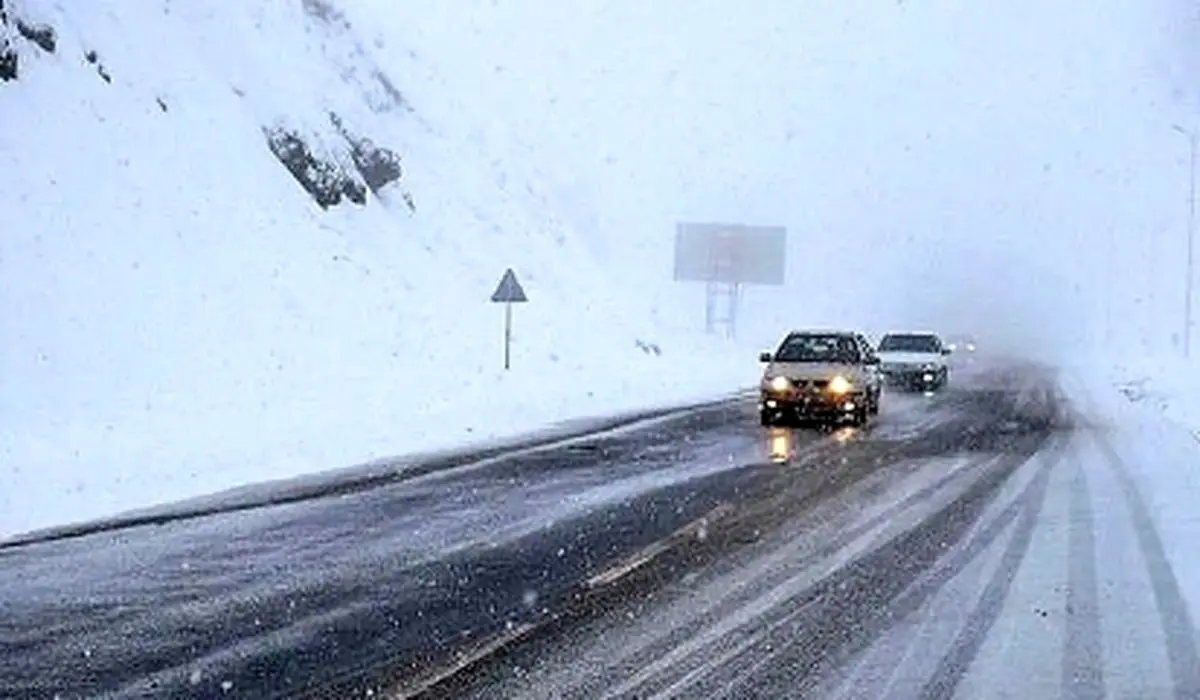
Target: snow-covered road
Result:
[1025, 534]
[1052, 562]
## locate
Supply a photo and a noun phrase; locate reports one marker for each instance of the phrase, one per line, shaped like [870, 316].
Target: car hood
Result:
[810, 370]
[911, 358]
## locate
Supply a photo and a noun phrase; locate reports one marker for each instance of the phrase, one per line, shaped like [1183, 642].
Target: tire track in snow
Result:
[1083, 656]
[882, 665]
[821, 479]
[1176, 620]
[863, 599]
[742, 614]
[970, 639]
[682, 657]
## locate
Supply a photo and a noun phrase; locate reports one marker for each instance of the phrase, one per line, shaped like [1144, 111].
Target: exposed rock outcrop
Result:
[326, 181]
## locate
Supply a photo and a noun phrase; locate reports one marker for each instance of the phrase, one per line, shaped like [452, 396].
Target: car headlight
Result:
[779, 384]
[840, 385]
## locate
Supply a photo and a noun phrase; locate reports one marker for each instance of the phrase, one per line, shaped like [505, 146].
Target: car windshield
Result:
[910, 343]
[818, 348]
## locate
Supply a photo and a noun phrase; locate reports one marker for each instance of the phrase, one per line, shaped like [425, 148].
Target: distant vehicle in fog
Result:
[961, 343]
[914, 360]
[828, 376]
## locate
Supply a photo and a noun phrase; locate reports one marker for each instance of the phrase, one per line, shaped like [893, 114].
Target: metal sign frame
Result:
[726, 258]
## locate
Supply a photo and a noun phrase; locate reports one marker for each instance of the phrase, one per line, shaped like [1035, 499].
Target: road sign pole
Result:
[508, 292]
[1193, 137]
[731, 310]
[708, 307]
[1191, 234]
[507, 335]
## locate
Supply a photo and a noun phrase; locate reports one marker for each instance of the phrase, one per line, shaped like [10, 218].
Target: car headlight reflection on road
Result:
[839, 385]
[779, 445]
[779, 384]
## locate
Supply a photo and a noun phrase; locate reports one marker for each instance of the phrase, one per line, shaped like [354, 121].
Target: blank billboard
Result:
[730, 253]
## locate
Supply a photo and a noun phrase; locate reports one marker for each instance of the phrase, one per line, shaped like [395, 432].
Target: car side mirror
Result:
[946, 351]
[764, 357]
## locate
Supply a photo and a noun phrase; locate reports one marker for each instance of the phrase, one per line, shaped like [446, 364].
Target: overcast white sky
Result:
[962, 152]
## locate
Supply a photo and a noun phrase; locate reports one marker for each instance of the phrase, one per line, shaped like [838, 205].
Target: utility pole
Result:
[1110, 295]
[1191, 235]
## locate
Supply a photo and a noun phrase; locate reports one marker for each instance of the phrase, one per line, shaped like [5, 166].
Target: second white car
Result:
[916, 361]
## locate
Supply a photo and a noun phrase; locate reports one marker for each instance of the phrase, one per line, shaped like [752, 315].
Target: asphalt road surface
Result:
[693, 556]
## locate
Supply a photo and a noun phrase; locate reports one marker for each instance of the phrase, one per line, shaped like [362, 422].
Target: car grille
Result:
[810, 384]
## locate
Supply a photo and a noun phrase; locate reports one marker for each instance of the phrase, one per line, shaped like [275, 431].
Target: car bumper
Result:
[811, 405]
[915, 379]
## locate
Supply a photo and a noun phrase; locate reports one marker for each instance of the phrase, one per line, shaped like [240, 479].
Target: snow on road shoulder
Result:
[168, 459]
[1155, 457]
[1171, 387]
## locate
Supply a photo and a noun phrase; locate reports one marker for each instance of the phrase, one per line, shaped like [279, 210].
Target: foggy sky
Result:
[1005, 160]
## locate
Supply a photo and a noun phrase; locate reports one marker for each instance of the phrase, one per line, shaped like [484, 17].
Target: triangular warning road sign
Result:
[509, 289]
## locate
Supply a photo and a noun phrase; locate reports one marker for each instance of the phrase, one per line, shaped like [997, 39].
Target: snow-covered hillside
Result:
[180, 314]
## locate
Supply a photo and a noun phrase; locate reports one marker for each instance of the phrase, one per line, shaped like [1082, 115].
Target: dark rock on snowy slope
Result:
[325, 178]
[327, 182]
[378, 166]
[94, 59]
[9, 60]
[41, 34]
[13, 28]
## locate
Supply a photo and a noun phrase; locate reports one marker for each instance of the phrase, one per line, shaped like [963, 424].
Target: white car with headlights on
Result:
[827, 376]
[914, 361]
